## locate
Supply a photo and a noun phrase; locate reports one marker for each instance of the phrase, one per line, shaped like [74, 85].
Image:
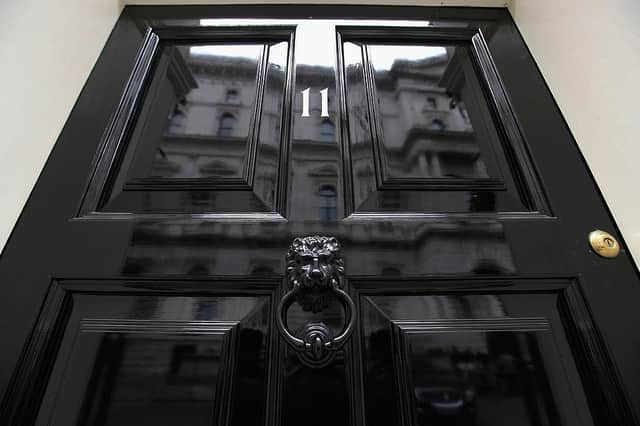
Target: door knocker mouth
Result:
[314, 276]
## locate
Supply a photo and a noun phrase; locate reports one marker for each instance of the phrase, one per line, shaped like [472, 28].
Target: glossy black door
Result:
[319, 215]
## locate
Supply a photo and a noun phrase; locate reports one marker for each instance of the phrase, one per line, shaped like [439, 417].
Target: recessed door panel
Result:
[159, 359]
[212, 90]
[140, 378]
[469, 359]
[206, 129]
[423, 135]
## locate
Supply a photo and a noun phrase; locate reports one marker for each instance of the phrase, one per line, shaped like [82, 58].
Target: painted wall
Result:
[587, 50]
[47, 49]
[589, 54]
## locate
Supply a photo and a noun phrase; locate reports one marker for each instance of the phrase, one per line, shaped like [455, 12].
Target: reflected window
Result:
[227, 123]
[464, 114]
[327, 131]
[177, 120]
[186, 112]
[232, 96]
[422, 94]
[328, 202]
[437, 125]
[391, 270]
[205, 310]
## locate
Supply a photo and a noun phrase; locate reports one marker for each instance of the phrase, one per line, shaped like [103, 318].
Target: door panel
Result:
[125, 356]
[458, 357]
[205, 128]
[345, 215]
[423, 129]
[142, 378]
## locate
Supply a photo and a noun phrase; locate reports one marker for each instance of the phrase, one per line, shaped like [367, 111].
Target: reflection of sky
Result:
[250, 51]
[314, 33]
[384, 56]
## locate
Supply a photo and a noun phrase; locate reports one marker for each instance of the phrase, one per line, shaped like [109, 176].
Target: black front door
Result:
[317, 215]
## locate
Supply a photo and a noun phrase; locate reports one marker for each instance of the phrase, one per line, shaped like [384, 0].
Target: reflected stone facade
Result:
[426, 124]
[427, 133]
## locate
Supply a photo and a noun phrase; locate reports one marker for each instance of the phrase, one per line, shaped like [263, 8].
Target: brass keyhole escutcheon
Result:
[604, 244]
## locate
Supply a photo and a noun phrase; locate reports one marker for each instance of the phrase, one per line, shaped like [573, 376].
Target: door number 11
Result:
[325, 102]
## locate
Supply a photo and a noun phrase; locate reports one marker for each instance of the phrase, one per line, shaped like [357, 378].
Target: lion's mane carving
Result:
[314, 263]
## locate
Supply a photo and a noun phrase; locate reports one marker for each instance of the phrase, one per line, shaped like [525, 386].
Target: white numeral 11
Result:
[325, 102]
[305, 102]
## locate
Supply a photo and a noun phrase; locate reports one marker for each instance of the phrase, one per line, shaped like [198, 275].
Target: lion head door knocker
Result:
[314, 273]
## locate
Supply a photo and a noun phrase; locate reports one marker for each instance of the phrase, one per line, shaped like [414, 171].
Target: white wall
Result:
[47, 49]
[589, 54]
[588, 51]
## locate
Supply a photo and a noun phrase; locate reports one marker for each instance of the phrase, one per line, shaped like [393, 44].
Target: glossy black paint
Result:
[446, 155]
[460, 310]
[196, 93]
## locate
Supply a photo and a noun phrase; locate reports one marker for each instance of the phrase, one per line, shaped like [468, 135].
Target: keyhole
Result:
[609, 242]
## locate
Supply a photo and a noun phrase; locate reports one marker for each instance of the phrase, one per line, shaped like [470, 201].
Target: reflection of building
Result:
[222, 249]
[423, 111]
[207, 124]
[209, 121]
[173, 375]
[207, 105]
[432, 123]
[315, 157]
